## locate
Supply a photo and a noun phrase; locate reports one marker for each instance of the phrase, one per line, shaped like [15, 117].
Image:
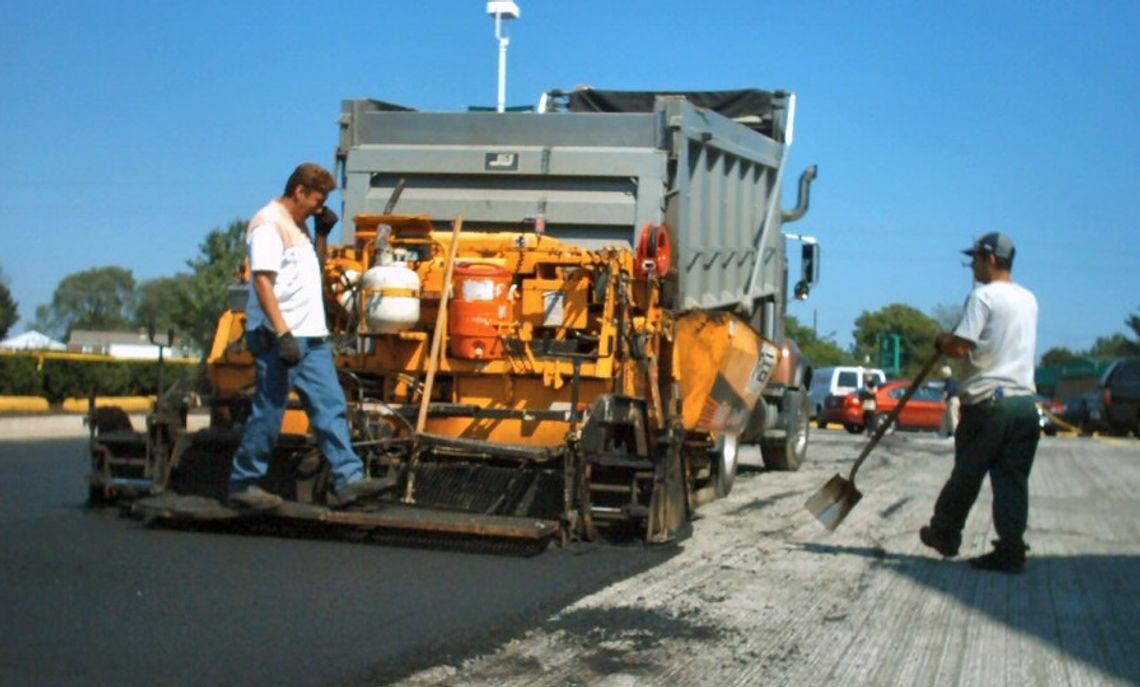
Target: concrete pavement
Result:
[67, 425]
[55, 426]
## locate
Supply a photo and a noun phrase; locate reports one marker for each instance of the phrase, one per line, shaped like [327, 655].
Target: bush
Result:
[64, 378]
[19, 376]
[144, 375]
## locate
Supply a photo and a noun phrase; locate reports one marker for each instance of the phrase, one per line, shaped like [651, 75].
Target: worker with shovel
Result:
[998, 430]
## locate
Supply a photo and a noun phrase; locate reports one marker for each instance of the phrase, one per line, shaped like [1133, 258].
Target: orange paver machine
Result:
[568, 328]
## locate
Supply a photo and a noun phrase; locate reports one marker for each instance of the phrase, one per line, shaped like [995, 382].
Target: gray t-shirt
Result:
[1001, 319]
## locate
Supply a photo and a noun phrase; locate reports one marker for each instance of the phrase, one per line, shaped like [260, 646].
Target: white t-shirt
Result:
[1001, 319]
[276, 244]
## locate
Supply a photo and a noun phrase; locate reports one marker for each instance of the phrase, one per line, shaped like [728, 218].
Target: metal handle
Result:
[894, 414]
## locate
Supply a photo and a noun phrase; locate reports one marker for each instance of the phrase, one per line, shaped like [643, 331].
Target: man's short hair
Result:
[312, 176]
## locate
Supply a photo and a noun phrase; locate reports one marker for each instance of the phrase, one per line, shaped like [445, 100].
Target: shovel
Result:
[831, 504]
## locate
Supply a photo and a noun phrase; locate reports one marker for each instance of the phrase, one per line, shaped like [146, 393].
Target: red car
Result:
[924, 410]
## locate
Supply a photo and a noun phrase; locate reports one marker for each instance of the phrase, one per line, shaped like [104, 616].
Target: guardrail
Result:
[37, 404]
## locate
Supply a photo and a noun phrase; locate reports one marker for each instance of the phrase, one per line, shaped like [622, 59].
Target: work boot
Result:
[254, 498]
[363, 488]
[945, 544]
[1007, 557]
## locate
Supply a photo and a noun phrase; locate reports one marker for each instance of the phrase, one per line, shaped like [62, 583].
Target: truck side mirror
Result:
[809, 276]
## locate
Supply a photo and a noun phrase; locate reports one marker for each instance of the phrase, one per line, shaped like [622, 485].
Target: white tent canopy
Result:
[31, 340]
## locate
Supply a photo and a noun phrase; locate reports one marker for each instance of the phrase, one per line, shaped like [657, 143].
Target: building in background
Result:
[125, 345]
[1077, 376]
[31, 340]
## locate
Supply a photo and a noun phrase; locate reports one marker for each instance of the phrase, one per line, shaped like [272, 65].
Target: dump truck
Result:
[550, 325]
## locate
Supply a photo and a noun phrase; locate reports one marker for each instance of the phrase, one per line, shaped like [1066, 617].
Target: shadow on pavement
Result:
[1085, 606]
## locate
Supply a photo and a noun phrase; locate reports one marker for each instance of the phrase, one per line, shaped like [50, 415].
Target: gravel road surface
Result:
[762, 595]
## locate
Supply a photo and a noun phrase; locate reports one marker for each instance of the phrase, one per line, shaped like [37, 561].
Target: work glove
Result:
[324, 220]
[288, 350]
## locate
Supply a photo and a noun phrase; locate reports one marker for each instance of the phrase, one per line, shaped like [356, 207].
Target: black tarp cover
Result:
[385, 106]
[751, 105]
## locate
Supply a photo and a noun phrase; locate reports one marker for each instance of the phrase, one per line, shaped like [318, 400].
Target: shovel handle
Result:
[391, 204]
[434, 353]
[894, 414]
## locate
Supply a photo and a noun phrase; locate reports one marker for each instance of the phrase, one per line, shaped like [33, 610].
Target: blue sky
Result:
[130, 129]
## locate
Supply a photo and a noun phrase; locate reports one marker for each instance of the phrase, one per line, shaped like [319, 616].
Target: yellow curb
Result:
[23, 404]
[127, 403]
[1059, 422]
[1115, 441]
[1076, 432]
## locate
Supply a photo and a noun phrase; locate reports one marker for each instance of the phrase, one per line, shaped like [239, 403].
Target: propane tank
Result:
[391, 295]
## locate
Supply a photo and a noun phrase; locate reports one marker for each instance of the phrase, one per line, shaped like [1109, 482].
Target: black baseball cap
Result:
[994, 243]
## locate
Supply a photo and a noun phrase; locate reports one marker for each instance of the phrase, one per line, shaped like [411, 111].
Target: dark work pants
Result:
[999, 438]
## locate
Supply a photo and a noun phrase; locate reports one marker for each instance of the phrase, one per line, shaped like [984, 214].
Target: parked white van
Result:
[839, 381]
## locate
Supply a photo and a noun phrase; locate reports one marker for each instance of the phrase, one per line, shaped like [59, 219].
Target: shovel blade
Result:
[831, 504]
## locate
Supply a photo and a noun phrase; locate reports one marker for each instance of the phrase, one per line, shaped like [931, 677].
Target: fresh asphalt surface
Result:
[88, 597]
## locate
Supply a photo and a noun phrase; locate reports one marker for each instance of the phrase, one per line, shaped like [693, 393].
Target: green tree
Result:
[917, 332]
[948, 316]
[98, 298]
[821, 351]
[1112, 347]
[1058, 355]
[9, 308]
[1133, 323]
[220, 258]
[165, 302]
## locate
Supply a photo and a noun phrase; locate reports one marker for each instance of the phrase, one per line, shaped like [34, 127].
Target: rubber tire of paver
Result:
[788, 452]
[853, 428]
[96, 497]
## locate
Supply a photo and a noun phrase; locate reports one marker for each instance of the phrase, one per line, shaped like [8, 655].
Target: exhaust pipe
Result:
[789, 216]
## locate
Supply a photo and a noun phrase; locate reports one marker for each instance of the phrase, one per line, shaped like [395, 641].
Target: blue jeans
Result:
[323, 399]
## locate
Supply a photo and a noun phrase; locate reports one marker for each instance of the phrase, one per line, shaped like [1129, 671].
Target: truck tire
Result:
[788, 452]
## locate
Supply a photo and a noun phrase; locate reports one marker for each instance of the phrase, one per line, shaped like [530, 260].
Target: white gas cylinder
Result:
[391, 297]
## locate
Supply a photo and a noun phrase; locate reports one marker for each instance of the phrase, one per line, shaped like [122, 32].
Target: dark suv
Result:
[1120, 391]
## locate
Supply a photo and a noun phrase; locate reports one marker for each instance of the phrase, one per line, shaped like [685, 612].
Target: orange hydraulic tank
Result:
[479, 305]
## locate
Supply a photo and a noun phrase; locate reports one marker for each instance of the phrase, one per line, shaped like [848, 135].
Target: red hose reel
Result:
[654, 249]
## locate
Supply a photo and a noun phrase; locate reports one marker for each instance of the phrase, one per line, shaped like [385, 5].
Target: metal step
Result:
[624, 512]
[622, 460]
[611, 488]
